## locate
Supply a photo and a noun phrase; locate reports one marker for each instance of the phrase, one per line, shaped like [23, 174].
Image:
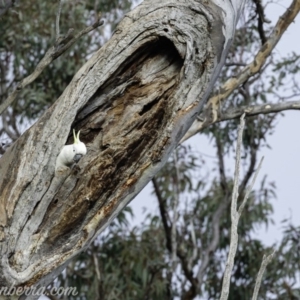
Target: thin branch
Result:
[163, 213]
[180, 254]
[167, 229]
[250, 187]
[266, 260]
[12, 135]
[235, 214]
[13, 122]
[97, 269]
[255, 110]
[175, 213]
[235, 64]
[235, 193]
[211, 110]
[234, 113]
[55, 51]
[221, 164]
[57, 19]
[213, 243]
[261, 20]
[250, 169]
[245, 91]
[193, 257]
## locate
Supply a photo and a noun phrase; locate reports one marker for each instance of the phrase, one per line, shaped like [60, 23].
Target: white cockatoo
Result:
[70, 154]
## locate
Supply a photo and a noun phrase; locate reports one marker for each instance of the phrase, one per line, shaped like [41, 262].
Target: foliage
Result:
[28, 31]
[121, 270]
[134, 263]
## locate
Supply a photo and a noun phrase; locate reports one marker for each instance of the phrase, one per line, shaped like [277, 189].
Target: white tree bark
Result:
[133, 101]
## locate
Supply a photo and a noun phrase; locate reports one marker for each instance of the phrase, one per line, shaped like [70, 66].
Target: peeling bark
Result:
[133, 101]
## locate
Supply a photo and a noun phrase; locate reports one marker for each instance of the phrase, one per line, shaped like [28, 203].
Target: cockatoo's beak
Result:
[77, 158]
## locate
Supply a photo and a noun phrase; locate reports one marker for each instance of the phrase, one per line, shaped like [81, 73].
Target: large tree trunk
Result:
[133, 101]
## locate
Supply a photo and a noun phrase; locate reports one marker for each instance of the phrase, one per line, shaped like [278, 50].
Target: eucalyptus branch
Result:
[9, 129]
[234, 217]
[255, 110]
[163, 213]
[57, 19]
[261, 20]
[235, 213]
[194, 255]
[55, 51]
[250, 187]
[251, 167]
[96, 264]
[175, 213]
[250, 111]
[220, 154]
[167, 229]
[212, 110]
[266, 260]
[211, 248]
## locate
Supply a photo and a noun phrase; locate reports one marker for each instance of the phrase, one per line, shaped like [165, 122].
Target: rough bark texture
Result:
[133, 101]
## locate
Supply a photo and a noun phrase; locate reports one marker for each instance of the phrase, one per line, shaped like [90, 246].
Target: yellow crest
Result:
[76, 137]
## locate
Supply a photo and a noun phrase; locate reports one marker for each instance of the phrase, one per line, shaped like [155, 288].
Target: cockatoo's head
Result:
[70, 154]
[79, 148]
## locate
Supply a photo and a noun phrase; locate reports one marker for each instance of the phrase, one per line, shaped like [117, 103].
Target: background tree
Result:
[145, 255]
[28, 31]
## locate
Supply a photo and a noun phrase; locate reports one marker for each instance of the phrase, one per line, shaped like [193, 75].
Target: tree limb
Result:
[163, 214]
[234, 217]
[133, 101]
[175, 213]
[260, 19]
[168, 235]
[221, 165]
[249, 111]
[61, 46]
[249, 188]
[206, 253]
[266, 260]
[235, 214]
[57, 19]
[212, 109]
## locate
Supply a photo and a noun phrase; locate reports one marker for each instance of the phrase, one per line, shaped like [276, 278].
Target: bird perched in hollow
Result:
[70, 154]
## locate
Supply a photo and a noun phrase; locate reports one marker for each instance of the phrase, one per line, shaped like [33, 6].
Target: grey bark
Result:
[133, 101]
